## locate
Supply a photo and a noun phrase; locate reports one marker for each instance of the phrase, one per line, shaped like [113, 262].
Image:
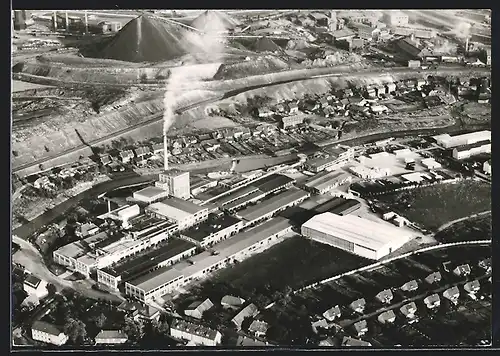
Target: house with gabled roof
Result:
[472, 287]
[332, 313]
[462, 270]
[48, 333]
[385, 296]
[196, 309]
[126, 156]
[434, 277]
[321, 323]
[36, 286]
[409, 310]
[358, 305]
[229, 301]
[258, 328]
[387, 317]
[452, 294]
[410, 286]
[350, 341]
[110, 337]
[250, 310]
[432, 301]
[361, 327]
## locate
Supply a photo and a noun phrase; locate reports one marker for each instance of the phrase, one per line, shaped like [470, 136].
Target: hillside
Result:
[213, 21]
[255, 66]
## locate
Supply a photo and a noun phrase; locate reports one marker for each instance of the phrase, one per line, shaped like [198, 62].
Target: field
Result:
[17, 86]
[466, 324]
[477, 228]
[434, 206]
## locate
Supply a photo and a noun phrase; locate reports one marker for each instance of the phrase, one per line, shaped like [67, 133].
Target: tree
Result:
[51, 289]
[100, 320]
[75, 329]
[133, 329]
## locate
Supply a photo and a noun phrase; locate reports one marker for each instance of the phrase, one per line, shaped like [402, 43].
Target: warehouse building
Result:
[243, 202]
[337, 158]
[347, 207]
[291, 121]
[197, 334]
[212, 231]
[166, 255]
[474, 149]
[238, 248]
[123, 214]
[48, 333]
[150, 195]
[447, 141]
[430, 163]
[237, 194]
[269, 207]
[326, 181]
[184, 213]
[359, 236]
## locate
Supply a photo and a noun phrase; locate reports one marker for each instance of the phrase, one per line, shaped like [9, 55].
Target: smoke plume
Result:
[206, 47]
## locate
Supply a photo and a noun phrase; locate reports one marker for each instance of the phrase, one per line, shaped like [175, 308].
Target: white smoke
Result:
[462, 29]
[207, 46]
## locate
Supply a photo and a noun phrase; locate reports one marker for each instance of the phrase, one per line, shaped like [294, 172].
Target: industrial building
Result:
[294, 120]
[176, 183]
[158, 256]
[150, 195]
[197, 334]
[474, 149]
[123, 214]
[337, 158]
[269, 207]
[395, 18]
[326, 181]
[359, 236]
[212, 231]
[166, 279]
[110, 337]
[447, 141]
[430, 163]
[369, 173]
[184, 213]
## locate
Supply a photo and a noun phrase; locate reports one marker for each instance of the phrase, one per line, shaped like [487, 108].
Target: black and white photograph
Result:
[250, 179]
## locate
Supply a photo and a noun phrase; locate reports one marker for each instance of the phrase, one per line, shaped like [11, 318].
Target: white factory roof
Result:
[150, 192]
[357, 230]
[456, 140]
[169, 211]
[413, 177]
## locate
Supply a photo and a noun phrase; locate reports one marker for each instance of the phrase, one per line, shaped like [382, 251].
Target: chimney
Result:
[165, 152]
[55, 20]
[67, 21]
[86, 22]
[467, 45]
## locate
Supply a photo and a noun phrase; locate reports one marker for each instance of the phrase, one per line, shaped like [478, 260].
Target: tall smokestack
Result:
[55, 20]
[467, 45]
[67, 21]
[165, 152]
[86, 22]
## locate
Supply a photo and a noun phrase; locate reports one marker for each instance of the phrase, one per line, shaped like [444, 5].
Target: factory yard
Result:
[436, 205]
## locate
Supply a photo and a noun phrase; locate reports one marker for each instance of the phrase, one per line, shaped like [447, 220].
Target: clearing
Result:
[436, 205]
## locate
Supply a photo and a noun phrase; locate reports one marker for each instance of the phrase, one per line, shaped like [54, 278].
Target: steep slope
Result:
[145, 39]
[211, 20]
[264, 44]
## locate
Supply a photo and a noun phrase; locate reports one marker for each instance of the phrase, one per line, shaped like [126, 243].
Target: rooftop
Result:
[326, 179]
[134, 266]
[111, 334]
[156, 278]
[213, 225]
[46, 327]
[464, 148]
[274, 203]
[244, 200]
[194, 329]
[249, 311]
[357, 230]
[236, 195]
[151, 192]
[32, 281]
[272, 182]
[183, 205]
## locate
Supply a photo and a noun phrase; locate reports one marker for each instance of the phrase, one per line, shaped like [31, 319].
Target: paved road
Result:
[32, 260]
[155, 118]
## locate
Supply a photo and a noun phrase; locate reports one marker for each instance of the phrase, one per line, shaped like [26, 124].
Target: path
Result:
[472, 216]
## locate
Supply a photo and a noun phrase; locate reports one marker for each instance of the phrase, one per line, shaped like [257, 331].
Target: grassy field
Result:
[478, 228]
[432, 207]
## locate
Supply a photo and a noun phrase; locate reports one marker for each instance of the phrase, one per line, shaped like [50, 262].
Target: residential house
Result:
[462, 270]
[328, 342]
[250, 310]
[432, 301]
[36, 286]
[196, 309]
[44, 182]
[265, 112]
[472, 287]
[126, 156]
[110, 337]
[349, 341]
[485, 264]
[196, 334]
[323, 102]
[387, 317]
[332, 313]
[105, 159]
[294, 108]
[361, 327]
[452, 294]
[48, 333]
[410, 286]
[138, 311]
[258, 328]
[232, 302]
[409, 310]
[358, 305]
[371, 92]
[348, 93]
[390, 88]
[290, 121]
[329, 111]
[385, 296]
[250, 342]
[322, 323]
[434, 277]
[31, 301]
[379, 109]
[158, 148]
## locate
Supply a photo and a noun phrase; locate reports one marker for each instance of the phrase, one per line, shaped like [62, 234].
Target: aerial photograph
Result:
[251, 179]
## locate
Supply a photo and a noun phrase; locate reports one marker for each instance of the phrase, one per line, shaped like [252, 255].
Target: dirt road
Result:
[448, 224]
